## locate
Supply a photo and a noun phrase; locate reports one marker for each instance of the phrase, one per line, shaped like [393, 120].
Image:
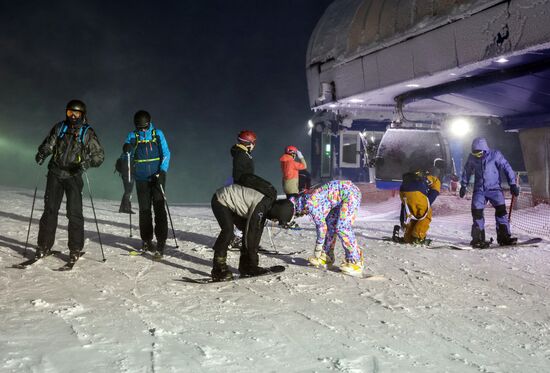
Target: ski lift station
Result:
[388, 80]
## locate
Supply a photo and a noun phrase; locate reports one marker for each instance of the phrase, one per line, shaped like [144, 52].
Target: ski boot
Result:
[146, 246]
[504, 238]
[322, 260]
[253, 271]
[41, 253]
[353, 267]
[73, 256]
[220, 272]
[478, 239]
[159, 252]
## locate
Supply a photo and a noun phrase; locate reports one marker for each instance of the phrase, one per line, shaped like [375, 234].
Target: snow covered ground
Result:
[436, 310]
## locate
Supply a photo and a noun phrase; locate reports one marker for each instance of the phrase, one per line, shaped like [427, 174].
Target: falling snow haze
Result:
[204, 69]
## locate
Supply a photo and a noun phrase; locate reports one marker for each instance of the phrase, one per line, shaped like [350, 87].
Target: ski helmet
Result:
[247, 137]
[76, 105]
[142, 119]
[291, 149]
[282, 211]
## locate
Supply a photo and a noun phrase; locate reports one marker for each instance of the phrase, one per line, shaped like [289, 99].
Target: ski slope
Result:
[435, 310]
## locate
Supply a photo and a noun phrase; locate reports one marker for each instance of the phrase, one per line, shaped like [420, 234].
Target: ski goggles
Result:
[477, 153]
[75, 113]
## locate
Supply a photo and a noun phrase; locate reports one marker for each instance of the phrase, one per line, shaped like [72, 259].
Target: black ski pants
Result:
[149, 193]
[125, 204]
[55, 188]
[227, 219]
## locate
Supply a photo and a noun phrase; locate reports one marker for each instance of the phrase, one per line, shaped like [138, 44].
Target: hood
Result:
[480, 143]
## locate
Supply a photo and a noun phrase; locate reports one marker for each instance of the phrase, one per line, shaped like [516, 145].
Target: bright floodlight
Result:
[310, 124]
[459, 127]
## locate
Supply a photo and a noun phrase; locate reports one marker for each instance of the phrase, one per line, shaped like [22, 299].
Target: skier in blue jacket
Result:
[151, 158]
[486, 165]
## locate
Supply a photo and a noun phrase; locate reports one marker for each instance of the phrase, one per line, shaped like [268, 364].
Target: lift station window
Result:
[326, 155]
[401, 150]
[350, 149]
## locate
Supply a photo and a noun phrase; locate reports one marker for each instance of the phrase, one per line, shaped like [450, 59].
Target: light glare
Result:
[460, 127]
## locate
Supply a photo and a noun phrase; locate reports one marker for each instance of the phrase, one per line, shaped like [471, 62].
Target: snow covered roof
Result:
[478, 57]
[352, 28]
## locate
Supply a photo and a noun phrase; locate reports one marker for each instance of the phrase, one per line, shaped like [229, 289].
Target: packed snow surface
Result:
[428, 310]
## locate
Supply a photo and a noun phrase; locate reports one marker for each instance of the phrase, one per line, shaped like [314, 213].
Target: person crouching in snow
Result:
[417, 192]
[246, 207]
[333, 208]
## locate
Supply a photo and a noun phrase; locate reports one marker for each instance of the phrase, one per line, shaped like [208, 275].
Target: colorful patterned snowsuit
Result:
[333, 208]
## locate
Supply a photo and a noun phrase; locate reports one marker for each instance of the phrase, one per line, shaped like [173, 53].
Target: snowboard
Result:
[277, 252]
[30, 262]
[399, 240]
[530, 242]
[69, 266]
[208, 280]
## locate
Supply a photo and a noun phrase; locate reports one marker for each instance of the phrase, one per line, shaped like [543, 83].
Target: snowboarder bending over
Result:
[151, 160]
[290, 168]
[246, 206]
[74, 147]
[486, 164]
[124, 168]
[417, 192]
[333, 208]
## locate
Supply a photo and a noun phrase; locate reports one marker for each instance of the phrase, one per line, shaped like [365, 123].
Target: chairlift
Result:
[404, 149]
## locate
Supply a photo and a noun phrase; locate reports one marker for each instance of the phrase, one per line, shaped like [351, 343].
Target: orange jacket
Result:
[290, 167]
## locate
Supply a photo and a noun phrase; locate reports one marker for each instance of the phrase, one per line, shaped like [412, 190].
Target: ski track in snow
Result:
[435, 310]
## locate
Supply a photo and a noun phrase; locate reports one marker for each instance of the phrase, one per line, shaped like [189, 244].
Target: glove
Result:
[462, 192]
[514, 189]
[299, 155]
[39, 158]
[318, 250]
[160, 178]
[84, 165]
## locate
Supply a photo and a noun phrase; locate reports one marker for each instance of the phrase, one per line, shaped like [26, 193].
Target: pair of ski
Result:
[155, 255]
[28, 263]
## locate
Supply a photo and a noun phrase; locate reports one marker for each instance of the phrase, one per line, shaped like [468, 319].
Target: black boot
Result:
[220, 272]
[159, 252]
[478, 239]
[73, 256]
[41, 253]
[147, 246]
[504, 238]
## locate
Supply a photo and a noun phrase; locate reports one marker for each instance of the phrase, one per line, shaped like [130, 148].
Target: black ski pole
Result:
[32, 209]
[129, 181]
[169, 216]
[130, 215]
[30, 220]
[271, 237]
[95, 217]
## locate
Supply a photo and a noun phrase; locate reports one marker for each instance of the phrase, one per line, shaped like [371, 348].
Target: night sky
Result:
[203, 69]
